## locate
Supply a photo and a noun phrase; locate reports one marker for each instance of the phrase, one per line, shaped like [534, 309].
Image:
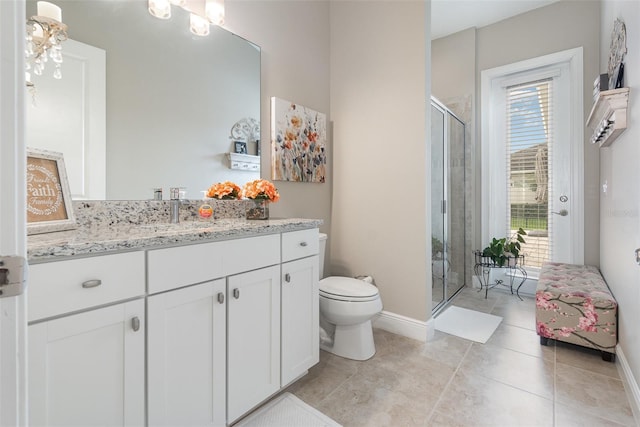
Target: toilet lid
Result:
[347, 287]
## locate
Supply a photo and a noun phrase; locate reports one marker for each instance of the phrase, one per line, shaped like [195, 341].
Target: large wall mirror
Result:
[170, 101]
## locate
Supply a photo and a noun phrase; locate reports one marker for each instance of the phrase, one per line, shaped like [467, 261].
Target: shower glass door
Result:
[455, 215]
[447, 204]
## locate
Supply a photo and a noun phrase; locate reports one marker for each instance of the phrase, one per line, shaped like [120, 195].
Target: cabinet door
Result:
[300, 317]
[253, 352]
[187, 356]
[88, 369]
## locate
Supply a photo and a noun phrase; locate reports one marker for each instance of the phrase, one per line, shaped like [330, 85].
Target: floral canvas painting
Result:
[298, 141]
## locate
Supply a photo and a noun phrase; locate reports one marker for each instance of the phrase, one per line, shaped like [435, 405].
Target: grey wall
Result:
[559, 26]
[453, 82]
[294, 37]
[380, 78]
[620, 205]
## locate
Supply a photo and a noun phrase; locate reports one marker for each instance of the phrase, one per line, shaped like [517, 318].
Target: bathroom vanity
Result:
[160, 325]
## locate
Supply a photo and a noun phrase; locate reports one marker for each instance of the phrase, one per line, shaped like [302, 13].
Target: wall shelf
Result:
[245, 162]
[608, 117]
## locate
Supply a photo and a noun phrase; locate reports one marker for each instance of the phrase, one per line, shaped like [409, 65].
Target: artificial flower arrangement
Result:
[261, 189]
[224, 191]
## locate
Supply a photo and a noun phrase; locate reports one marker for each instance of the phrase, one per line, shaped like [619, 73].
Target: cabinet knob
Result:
[303, 244]
[220, 297]
[91, 283]
[236, 293]
[287, 278]
[135, 324]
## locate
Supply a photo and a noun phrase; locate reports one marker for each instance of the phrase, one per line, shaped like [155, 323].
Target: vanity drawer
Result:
[299, 244]
[173, 268]
[60, 287]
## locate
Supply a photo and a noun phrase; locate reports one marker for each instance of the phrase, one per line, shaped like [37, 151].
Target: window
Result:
[529, 142]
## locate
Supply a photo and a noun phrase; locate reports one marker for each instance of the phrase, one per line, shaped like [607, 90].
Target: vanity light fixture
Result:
[45, 34]
[203, 12]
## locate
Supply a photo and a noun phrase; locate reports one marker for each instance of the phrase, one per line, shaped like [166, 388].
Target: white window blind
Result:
[529, 156]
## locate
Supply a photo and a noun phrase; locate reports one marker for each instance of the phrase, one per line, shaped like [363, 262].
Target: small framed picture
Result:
[49, 205]
[241, 147]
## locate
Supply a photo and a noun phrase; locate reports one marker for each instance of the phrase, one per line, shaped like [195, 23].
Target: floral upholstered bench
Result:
[574, 305]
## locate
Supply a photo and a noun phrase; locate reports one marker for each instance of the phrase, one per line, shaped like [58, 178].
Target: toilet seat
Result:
[348, 289]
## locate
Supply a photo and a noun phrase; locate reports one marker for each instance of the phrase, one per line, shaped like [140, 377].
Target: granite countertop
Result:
[113, 238]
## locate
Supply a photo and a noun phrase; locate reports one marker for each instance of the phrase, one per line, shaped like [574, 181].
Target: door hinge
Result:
[13, 275]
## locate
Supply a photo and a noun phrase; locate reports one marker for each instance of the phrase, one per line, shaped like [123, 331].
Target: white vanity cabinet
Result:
[219, 328]
[300, 304]
[187, 356]
[253, 339]
[87, 368]
[189, 377]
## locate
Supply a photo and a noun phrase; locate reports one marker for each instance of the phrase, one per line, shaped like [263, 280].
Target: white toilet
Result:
[346, 308]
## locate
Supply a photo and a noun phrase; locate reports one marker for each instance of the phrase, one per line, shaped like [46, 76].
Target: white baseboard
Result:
[405, 326]
[630, 383]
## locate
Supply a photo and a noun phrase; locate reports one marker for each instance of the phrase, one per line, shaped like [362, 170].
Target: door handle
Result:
[563, 212]
[135, 324]
[91, 283]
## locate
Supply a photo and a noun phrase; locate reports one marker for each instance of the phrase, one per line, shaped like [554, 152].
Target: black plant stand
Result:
[484, 265]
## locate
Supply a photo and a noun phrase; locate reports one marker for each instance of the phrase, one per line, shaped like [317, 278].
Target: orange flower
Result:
[296, 121]
[260, 189]
[224, 191]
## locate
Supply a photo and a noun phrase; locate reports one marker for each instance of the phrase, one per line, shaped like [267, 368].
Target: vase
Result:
[257, 209]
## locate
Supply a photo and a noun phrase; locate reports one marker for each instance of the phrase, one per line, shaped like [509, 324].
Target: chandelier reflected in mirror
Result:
[203, 13]
[45, 34]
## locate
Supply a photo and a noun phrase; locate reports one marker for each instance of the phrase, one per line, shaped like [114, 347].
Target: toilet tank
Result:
[323, 243]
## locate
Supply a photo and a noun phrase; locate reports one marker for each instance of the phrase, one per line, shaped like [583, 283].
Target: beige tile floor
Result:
[509, 381]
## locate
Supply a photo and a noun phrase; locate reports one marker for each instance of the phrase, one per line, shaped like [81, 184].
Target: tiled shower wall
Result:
[462, 107]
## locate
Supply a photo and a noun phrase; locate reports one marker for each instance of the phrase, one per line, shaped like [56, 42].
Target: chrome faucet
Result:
[174, 211]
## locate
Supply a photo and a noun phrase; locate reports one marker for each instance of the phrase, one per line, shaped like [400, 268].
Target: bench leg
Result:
[545, 341]
[608, 357]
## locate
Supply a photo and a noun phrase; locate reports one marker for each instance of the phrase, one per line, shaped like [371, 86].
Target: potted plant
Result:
[261, 192]
[437, 248]
[224, 191]
[501, 250]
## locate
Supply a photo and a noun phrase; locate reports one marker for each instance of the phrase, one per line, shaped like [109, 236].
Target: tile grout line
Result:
[446, 387]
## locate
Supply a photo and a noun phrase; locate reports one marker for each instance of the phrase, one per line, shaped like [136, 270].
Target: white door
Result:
[300, 318]
[253, 339]
[561, 127]
[87, 369]
[13, 323]
[186, 356]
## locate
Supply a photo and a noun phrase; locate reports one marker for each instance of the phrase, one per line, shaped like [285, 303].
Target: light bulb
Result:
[214, 9]
[160, 8]
[199, 25]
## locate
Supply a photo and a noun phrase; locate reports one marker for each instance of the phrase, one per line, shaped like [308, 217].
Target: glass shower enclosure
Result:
[447, 204]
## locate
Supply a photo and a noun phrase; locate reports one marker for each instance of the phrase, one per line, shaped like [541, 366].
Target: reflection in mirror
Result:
[171, 101]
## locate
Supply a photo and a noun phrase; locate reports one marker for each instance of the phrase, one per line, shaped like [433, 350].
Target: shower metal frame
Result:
[444, 203]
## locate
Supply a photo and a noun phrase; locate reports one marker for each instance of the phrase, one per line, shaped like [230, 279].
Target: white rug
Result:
[468, 324]
[287, 410]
